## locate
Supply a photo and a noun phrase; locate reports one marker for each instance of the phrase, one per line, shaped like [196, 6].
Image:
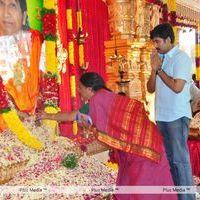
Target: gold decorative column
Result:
[121, 17]
[130, 23]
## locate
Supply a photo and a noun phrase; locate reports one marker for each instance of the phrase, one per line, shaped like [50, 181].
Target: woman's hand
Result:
[84, 120]
[22, 115]
[42, 115]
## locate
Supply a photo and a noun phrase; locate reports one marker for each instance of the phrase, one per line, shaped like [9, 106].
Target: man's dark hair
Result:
[22, 4]
[163, 31]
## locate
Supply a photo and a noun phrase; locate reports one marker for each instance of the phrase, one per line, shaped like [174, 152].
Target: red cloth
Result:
[194, 149]
[95, 22]
[138, 171]
[108, 111]
[64, 90]
[126, 125]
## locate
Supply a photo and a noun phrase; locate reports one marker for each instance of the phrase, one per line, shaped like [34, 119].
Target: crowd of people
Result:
[147, 154]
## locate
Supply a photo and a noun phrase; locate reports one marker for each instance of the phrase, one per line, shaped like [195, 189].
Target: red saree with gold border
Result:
[124, 125]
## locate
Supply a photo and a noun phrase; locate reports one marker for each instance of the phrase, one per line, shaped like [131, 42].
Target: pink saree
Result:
[123, 124]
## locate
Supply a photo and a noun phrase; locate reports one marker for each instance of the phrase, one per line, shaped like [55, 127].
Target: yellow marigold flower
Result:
[49, 4]
[16, 126]
[51, 123]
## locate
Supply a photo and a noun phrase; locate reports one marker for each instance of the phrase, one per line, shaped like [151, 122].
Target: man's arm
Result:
[156, 63]
[151, 84]
[175, 85]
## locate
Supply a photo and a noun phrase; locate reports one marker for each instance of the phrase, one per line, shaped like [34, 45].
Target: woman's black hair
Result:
[22, 4]
[163, 31]
[23, 7]
[93, 80]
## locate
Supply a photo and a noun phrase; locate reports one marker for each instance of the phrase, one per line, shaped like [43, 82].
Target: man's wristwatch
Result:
[159, 70]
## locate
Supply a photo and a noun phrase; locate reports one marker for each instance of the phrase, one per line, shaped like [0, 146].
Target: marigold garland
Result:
[14, 123]
[51, 60]
[79, 19]
[171, 5]
[49, 4]
[16, 126]
[71, 65]
[75, 127]
[73, 85]
[71, 52]
[50, 123]
[69, 19]
[50, 87]
[81, 55]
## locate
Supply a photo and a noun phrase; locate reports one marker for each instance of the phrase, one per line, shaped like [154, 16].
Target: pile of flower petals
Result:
[45, 169]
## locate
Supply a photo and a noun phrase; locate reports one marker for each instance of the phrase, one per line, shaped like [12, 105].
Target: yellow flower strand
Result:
[16, 126]
[52, 66]
[75, 127]
[49, 4]
[72, 62]
[171, 4]
[69, 19]
[73, 94]
[51, 59]
[113, 166]
[71, 52]
[198, 52]
[81, 55]
[79, 19]
[73, 85]
[51, 123]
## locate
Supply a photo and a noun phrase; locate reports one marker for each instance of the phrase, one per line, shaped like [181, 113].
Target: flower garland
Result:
[198, 52]
[168, 8]
[49, 24]
[81, 40]
[71, 50]
[157, 2]
[14, 123]
[184, 22]
[50, 90]
[50, 81]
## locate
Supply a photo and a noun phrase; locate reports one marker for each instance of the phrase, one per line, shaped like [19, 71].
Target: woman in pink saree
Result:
[122, 123]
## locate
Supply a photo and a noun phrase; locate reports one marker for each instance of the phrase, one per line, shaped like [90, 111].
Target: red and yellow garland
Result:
[50, 81]
[71, 50]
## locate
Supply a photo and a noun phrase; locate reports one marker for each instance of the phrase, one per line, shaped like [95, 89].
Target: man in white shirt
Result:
[170, 80]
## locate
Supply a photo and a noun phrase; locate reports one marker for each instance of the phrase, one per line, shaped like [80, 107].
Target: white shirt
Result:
[169, 105]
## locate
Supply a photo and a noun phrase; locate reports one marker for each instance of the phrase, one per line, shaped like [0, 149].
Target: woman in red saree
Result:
[122, 123]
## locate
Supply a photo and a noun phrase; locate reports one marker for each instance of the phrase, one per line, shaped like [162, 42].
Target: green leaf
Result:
[5, 110]
[70, 161]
